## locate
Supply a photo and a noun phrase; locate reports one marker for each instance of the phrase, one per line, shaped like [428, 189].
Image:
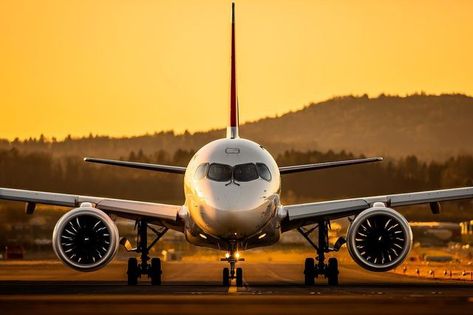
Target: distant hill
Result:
[429, 126]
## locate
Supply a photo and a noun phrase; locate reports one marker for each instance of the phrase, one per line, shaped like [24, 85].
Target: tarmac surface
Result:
[47, 287]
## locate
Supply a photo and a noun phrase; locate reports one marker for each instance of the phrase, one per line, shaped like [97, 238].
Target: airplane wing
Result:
[318, 166]
[138, 165]
[162, 214]
[303, 214]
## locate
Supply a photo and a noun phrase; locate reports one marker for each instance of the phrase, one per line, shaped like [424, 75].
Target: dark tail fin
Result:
[232, 129]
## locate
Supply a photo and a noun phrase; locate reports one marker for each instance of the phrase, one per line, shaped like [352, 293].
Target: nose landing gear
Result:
[313, 270]
[232, 258]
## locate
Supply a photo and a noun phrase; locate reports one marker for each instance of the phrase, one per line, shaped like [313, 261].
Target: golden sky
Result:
[127, 67]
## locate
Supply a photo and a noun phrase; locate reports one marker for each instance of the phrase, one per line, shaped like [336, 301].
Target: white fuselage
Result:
[232, 195]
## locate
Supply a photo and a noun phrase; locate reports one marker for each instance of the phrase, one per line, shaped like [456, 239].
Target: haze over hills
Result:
[432, 127]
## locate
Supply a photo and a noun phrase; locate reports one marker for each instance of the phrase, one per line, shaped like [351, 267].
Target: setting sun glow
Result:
[129, 67]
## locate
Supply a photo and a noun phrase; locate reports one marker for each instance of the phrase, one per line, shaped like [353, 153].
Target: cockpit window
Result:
[245, 172]
[263, 171]
[201, 171]
[220, 172]
[238, 173]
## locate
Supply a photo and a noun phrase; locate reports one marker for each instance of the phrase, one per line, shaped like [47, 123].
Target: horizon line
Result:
[52, 139]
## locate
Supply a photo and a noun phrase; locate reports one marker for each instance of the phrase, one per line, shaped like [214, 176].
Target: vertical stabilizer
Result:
[232, 129]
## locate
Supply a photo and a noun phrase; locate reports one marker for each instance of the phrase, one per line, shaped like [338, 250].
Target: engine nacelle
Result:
[85, 238]
[379, 239]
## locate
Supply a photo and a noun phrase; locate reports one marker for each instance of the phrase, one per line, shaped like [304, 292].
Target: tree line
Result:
[69, 174]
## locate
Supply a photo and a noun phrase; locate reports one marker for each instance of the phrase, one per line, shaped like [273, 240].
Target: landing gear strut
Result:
[312, 269]
[153, 269]
[232, 257]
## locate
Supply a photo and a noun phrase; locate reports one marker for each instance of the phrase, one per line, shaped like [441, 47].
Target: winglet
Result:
[232, 129]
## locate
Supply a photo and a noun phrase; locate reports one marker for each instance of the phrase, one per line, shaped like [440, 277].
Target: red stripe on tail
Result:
[233, 128]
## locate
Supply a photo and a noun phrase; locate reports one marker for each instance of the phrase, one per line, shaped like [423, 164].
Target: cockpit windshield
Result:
[245, 172]
[220, 172]
[201, 171]
[263, 171]
[238, 173]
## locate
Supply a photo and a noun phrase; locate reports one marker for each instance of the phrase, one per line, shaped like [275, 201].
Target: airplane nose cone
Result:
[233, 198]
[236, 212]
[233, 224]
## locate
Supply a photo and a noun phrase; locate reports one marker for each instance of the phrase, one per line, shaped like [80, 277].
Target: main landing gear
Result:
[313, 269]
[232, 257]
[137, 269]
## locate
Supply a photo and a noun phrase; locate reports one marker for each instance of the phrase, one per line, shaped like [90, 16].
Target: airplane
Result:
[232, 203]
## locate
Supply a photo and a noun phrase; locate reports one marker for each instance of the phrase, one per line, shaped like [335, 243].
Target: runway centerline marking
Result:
[232, 289]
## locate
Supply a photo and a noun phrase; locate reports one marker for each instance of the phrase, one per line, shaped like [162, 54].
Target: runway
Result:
[194, 288]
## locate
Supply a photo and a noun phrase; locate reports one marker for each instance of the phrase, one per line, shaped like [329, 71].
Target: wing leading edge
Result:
[319, 166]
[303, 214]
[138, 165]
[120, 207]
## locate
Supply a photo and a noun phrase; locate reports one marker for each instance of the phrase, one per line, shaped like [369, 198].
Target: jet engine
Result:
[85, 238]
[379, 238]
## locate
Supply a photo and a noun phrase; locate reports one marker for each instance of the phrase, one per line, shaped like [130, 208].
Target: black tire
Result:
[133, 271]
[309, 271]
[332, 271]
[239, 277]
[155, 271]
[226, 277]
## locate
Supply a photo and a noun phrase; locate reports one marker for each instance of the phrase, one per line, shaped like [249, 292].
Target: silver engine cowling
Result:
[379, 239]
[85, 238]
